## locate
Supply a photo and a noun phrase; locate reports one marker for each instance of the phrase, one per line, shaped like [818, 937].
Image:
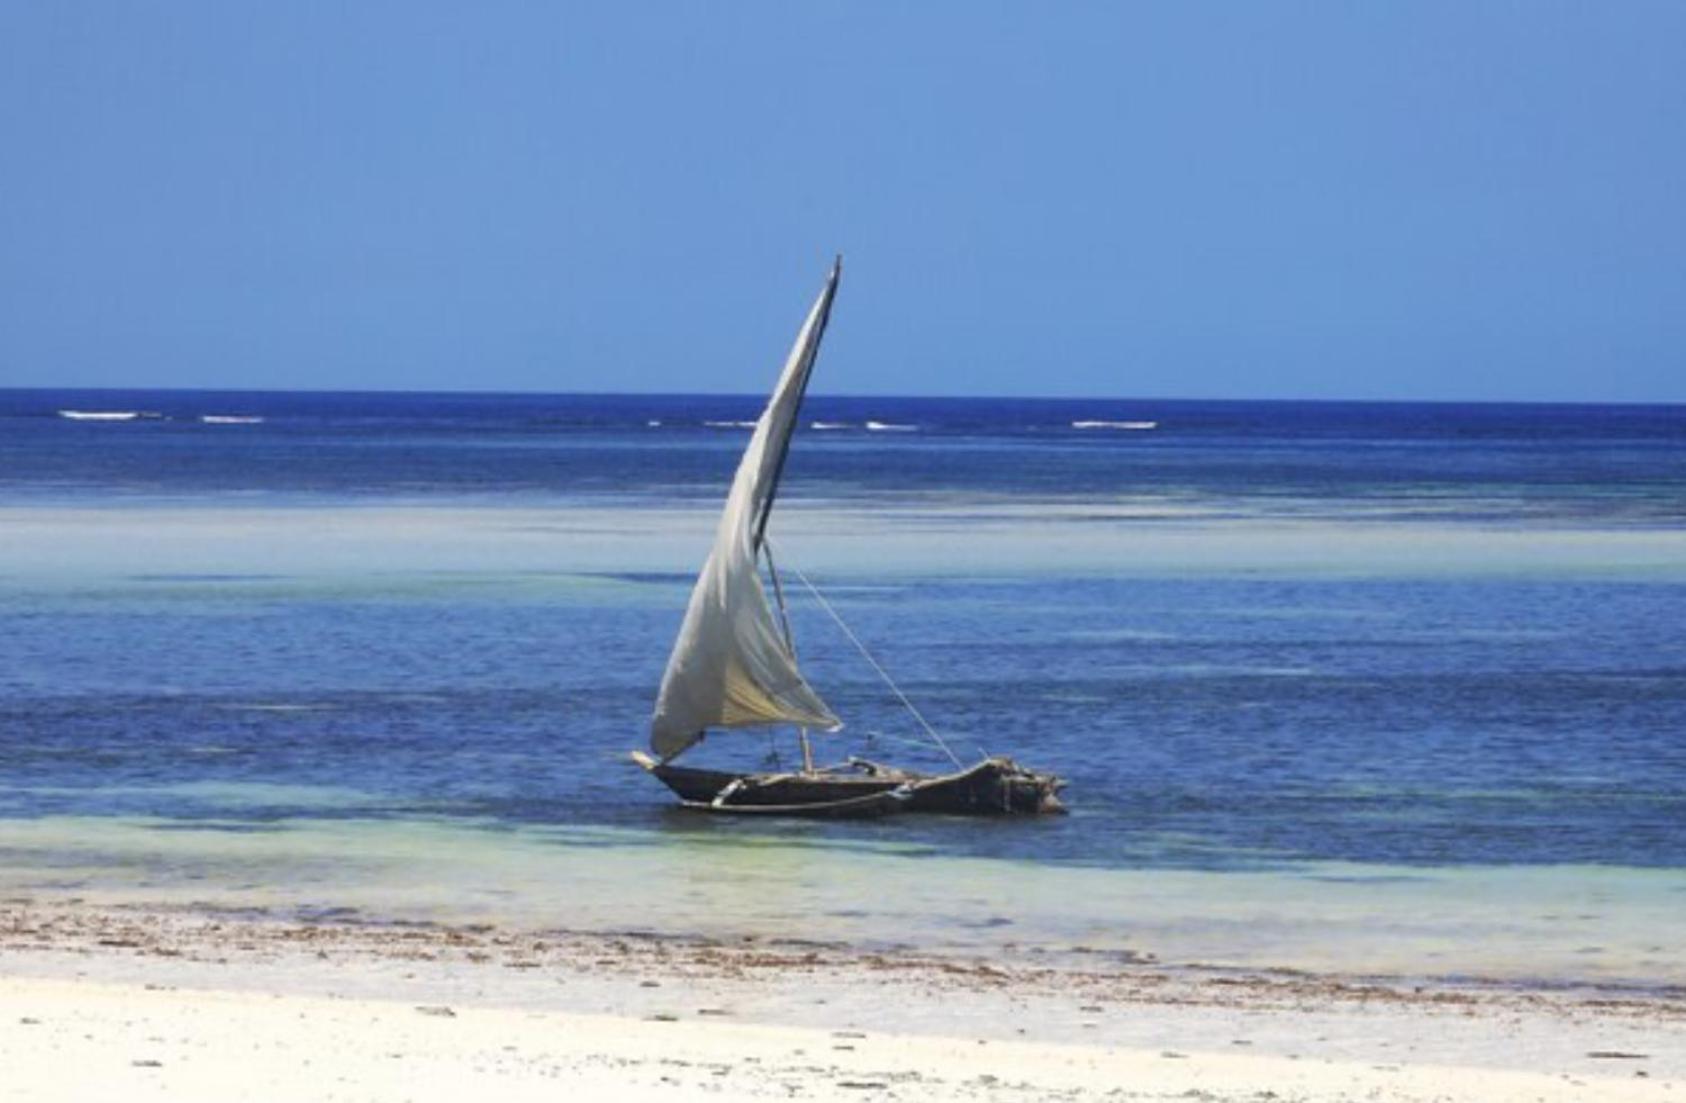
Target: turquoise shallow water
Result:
[1531, 925]
[1420, 715]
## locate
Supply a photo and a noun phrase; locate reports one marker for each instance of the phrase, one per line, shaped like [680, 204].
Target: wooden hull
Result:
[993, 787]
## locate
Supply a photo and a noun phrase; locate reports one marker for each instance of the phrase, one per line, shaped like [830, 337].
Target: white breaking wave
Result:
[888, 427]
[100, 415]
[230, 419]
[730, 424]
[824, 425]
[654, 423]
[1115, 425]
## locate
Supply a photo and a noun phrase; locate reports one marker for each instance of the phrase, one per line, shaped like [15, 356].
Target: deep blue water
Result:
[1572, 464]
[1215, 720]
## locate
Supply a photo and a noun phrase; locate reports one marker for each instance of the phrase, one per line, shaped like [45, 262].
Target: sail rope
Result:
[882, 673]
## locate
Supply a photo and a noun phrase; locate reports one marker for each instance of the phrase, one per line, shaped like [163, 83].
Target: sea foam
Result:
[100, 415]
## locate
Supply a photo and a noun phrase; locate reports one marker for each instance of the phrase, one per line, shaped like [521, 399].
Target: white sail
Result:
[731, 666]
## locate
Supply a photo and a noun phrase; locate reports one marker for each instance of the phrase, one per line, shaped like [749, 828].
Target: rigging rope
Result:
[882, 673]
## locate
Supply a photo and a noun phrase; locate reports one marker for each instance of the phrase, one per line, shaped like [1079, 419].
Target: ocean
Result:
[1368, 687]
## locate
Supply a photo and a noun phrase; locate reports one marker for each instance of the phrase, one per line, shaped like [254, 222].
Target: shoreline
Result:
[217, 935]
[1138, 1030]
[1609, 928]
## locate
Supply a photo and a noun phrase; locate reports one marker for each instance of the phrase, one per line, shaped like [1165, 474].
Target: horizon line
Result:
[755, 395]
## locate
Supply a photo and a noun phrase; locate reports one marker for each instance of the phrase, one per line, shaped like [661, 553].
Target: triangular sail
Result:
[731, 666]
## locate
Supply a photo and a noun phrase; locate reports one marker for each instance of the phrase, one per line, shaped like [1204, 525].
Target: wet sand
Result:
[102, 1002]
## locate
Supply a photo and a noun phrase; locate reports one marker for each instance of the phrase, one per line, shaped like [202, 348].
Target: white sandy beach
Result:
[127, 1004]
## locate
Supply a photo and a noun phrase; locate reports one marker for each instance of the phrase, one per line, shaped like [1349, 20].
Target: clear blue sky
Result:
[1455, 200]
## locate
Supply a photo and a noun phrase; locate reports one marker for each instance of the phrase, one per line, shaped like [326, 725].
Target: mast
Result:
[813, 353]
[760, 544]
[733, 664]
[790, 645]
